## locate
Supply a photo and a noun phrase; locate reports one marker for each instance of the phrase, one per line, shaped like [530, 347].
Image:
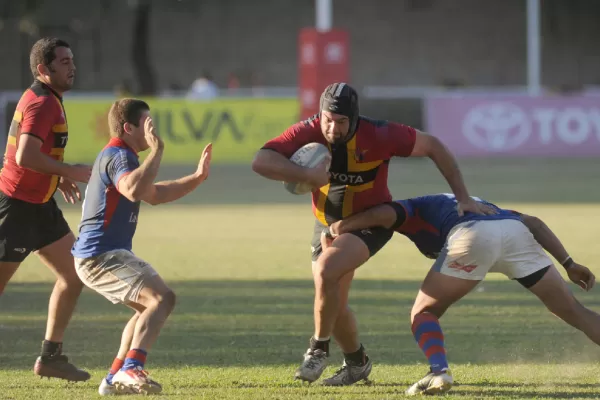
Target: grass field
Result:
[237, 255]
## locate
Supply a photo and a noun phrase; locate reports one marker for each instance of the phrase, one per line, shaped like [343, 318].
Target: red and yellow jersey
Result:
[39, 113]
[359, 168]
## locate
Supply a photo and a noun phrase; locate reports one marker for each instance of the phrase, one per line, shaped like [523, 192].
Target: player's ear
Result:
[42, 70]
[127, 127]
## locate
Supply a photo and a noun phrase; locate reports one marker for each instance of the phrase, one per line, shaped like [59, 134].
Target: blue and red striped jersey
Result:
[109, 219]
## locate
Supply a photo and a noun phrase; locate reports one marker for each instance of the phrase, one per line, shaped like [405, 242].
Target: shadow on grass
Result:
[249, 323]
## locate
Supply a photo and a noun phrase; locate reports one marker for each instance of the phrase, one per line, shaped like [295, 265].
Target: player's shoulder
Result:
[38, 96]
[308, 125]
[383, 129]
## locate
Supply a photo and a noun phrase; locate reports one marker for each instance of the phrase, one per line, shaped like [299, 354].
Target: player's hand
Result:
[69, 190]
[153, 140]
[319, 175]
[581, 276]
[79, 173]
[326, 240]
[204, 164]
[475, 207]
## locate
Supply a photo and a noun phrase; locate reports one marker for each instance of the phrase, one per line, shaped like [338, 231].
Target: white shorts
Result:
[506, 246]
[117, 275]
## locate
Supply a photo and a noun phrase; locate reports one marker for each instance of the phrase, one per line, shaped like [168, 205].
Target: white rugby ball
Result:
[309, 156]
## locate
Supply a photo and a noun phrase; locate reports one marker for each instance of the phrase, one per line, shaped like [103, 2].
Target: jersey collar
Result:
[117, 142]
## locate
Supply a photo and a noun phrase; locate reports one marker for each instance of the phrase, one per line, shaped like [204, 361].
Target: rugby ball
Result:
[308, 156]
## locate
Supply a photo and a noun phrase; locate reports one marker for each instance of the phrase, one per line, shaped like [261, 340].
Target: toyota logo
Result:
[497, 126]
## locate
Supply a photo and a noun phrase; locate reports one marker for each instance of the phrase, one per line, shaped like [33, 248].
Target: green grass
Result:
[244, 315]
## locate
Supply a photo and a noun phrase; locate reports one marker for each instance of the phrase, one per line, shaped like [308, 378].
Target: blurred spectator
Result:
[203, 88]
[233, 82]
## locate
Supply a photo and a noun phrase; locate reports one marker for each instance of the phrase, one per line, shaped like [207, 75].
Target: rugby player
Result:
[466, 248]
[103, 252]
[361, 149]
[30, 220]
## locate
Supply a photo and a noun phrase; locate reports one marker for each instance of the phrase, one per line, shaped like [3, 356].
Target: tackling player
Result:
[361, 149]
[30, 220]
[103, 256]
[466, 248]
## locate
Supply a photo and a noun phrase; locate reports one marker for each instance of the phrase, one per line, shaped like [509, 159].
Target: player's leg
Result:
[7, 270]
[106, 386]
[357, 365]
[470, 252]
[337, 262]
[52, 363]
[16, 224]
[158, 301]
[553, 291]
[529, 264]
[121, 277]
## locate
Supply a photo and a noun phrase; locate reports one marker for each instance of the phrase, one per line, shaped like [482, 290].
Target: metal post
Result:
[324, 15]
[533, 48]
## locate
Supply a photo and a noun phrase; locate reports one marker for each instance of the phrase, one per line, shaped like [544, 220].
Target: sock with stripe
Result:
[428, 334]
[115, 367]
[135, 358]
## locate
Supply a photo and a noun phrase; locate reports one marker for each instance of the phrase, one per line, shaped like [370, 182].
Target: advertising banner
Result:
[478, 125]
[236, 127]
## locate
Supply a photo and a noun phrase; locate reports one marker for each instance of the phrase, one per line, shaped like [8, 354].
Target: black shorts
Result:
[27, 227]
[374, 238]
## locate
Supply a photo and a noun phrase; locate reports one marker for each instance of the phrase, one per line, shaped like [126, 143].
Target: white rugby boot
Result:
[135, 380]
[432, 383]
[315, 362]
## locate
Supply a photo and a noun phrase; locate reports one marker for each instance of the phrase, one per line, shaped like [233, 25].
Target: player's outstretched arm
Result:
[383, 215]
[579, 274]
[167, 191]
[429, 146]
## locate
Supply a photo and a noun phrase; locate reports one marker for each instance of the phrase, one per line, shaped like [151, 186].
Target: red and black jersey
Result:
[359, 168]
[40, 113]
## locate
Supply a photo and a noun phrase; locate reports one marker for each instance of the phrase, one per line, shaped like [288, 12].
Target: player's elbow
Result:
[21, 159]
[132, 193]
[260, 164]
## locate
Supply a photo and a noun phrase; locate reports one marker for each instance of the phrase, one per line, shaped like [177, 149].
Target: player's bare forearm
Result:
[446, 163]
[429, 146]
[168, 191]
[40, 162]
[379, 216]
[138, 184]
[545, 237]
[275, 166]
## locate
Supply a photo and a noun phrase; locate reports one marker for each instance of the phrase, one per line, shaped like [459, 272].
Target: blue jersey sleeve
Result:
[122, 163]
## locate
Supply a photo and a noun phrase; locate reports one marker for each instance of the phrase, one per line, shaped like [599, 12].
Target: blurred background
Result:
[511, 86]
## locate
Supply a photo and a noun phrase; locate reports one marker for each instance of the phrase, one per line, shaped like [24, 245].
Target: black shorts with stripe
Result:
[27, 227]
[374, 238]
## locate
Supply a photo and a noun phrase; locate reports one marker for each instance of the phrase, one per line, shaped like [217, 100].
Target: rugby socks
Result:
[320, 344]
[50, 349]
[358, 358]
[428, 334]
[116, 366]
[135, 358]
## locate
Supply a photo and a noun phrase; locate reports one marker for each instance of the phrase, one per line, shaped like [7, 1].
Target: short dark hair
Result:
[43, 52]
[125, 110]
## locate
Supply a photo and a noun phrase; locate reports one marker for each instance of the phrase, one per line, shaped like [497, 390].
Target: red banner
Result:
[323, 59]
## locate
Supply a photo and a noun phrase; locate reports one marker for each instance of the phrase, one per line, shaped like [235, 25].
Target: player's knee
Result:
[70, 283]
[326, 272]
[166, 300]
[434, 309]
